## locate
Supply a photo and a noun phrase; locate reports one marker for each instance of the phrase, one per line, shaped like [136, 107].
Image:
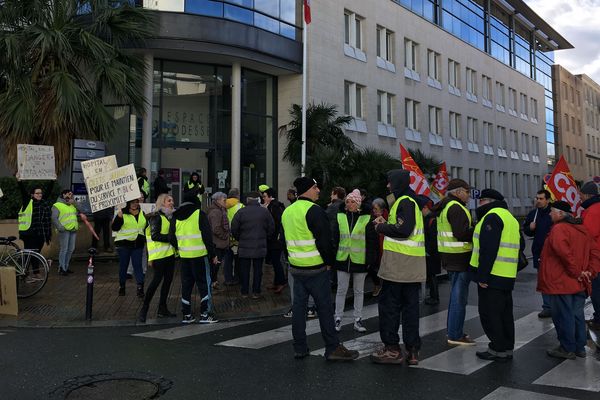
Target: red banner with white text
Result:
[563, 187]
[418, 182]
[440, 183]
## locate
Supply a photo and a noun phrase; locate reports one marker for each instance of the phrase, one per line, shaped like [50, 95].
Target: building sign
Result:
[83, 150]
[186, 119]
[35, 162]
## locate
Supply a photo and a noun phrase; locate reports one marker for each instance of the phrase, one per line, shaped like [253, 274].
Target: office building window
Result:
[434, 62]
[534, 110]
[353, 99]
[514, 182]
[502, 182]
[488, 136]
[455, 172]
[411, 55]
[526, 186]
[523, 98]
[411, 112]
[435, 120]
[353, 29]
[385, 107]
[471, 81]
[512, 101]
[455, 125]
[453, 74]
[473, 177]
[472, 130]
[486, 90]
[514, 135]
[500, 96]
[385, 44]
[489, 178]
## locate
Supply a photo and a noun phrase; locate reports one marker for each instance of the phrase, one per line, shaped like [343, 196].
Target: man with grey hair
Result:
[219, 224]
[252, 226]
[569, 261]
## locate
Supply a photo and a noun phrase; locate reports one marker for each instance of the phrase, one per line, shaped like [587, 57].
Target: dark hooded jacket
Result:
[184, 212]
[371, 239]
[252, 226]
[543, 224]
[489, 243]
[397, 267]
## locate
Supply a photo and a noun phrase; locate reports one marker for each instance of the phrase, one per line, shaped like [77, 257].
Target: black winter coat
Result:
[252, 226]
[275, 241]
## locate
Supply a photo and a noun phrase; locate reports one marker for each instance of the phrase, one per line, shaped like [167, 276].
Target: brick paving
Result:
[62, 301]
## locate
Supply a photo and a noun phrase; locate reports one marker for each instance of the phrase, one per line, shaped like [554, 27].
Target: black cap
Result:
[590, 188]
[303, 184]
[562, 206]
[491, 194]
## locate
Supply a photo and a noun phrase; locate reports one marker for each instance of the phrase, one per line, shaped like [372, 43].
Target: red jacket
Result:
[591, 218]
[567, 252]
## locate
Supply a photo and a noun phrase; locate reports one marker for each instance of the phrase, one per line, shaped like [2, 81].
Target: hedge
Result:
[10, 203]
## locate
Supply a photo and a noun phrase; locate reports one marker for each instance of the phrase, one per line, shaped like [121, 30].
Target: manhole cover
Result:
[114, 386]
[115, 389]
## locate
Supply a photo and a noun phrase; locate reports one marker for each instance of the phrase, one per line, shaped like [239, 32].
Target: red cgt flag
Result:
[307, 17]
[440, 183]
[562, 185]
[418, 182]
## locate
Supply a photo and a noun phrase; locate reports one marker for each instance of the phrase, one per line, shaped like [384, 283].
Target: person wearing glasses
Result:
[537, 225]
[35, 226]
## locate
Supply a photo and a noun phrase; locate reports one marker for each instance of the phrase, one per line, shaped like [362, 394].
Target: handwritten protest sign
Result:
[97, 166]
[112, 188]
[35, 162]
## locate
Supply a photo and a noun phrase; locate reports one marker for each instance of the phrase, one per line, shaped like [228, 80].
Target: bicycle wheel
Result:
[32, 272]
[7, 249]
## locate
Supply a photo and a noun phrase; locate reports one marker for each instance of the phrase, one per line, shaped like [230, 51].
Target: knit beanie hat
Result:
[491, 194]
[590, 188]
[303, 184]
[354, 196]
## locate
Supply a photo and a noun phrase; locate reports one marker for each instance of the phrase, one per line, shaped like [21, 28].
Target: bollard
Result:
[89, 297]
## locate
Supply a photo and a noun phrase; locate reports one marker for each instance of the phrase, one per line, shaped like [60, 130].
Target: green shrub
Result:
[11, 202]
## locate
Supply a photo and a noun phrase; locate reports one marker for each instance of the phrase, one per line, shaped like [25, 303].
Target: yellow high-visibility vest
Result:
[131, 227]
[189, 237]
[25, 216]
[446, 241]
[352, 244]
[299, 240]
[67, 216]
[414, 245]
[158, 250]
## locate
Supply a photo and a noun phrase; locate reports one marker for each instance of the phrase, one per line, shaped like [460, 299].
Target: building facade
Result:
[568, 112]
[465, 81]
[591, 125]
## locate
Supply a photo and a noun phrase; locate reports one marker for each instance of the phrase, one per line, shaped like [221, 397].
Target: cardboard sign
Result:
[35, 162]
[112, 188]
[97, 166]
[8, 291]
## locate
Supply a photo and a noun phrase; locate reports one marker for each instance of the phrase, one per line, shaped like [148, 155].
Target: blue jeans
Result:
[569, 320]
[319, 287]
[135, 255]
[596, 298]
[545, 302]
[459, 296]
[67, 246]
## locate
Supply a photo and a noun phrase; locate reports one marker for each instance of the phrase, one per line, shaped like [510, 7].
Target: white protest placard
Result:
[112, 188]
[35, 162]
[97, 166]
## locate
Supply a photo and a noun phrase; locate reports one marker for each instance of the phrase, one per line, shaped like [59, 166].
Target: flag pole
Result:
[304, 70]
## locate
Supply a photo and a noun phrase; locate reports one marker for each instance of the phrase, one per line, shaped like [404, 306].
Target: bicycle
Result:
[31, 267]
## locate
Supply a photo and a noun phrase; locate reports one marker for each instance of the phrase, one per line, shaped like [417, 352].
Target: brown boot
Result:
[342, 354]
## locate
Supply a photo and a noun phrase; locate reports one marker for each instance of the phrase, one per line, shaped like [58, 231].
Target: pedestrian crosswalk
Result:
[581, 374]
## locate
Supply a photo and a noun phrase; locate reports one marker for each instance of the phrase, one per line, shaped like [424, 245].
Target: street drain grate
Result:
[113, 386]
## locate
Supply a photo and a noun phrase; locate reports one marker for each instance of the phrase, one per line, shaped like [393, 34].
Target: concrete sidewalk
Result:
[61, 303]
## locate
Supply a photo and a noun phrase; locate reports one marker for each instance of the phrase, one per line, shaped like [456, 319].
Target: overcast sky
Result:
[578, 21]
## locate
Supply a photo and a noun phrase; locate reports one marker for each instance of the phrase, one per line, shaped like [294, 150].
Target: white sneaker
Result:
[338, 325]
[358, 326]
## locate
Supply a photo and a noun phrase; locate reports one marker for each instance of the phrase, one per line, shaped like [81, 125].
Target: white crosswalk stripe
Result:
[462, 359]
[367, 344]
[284, 334]
[583, 374]
[180, 332]
[503, 393]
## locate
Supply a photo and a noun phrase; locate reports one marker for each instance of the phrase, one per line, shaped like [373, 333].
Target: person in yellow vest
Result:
[64, 219]
[35, 224]
[190, 233]
[194, 185]
[130, 225]
[310, 253]
[402, 271]
[143, 183]
[455, 245]
[161, 256]
[496, 245]
[357, 243]
[231, 266]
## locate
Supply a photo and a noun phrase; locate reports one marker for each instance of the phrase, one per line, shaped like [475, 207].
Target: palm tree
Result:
[428, 164]
[60, 59]
[367, 169]
[324, 128]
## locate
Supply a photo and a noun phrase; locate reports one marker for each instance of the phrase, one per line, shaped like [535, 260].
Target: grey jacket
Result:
[55, 222]
[252, 226]
[397, 267]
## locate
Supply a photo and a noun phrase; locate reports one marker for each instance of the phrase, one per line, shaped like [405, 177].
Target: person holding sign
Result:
[130, 225]
[161, 256]
[64, 219]
[35, 226]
